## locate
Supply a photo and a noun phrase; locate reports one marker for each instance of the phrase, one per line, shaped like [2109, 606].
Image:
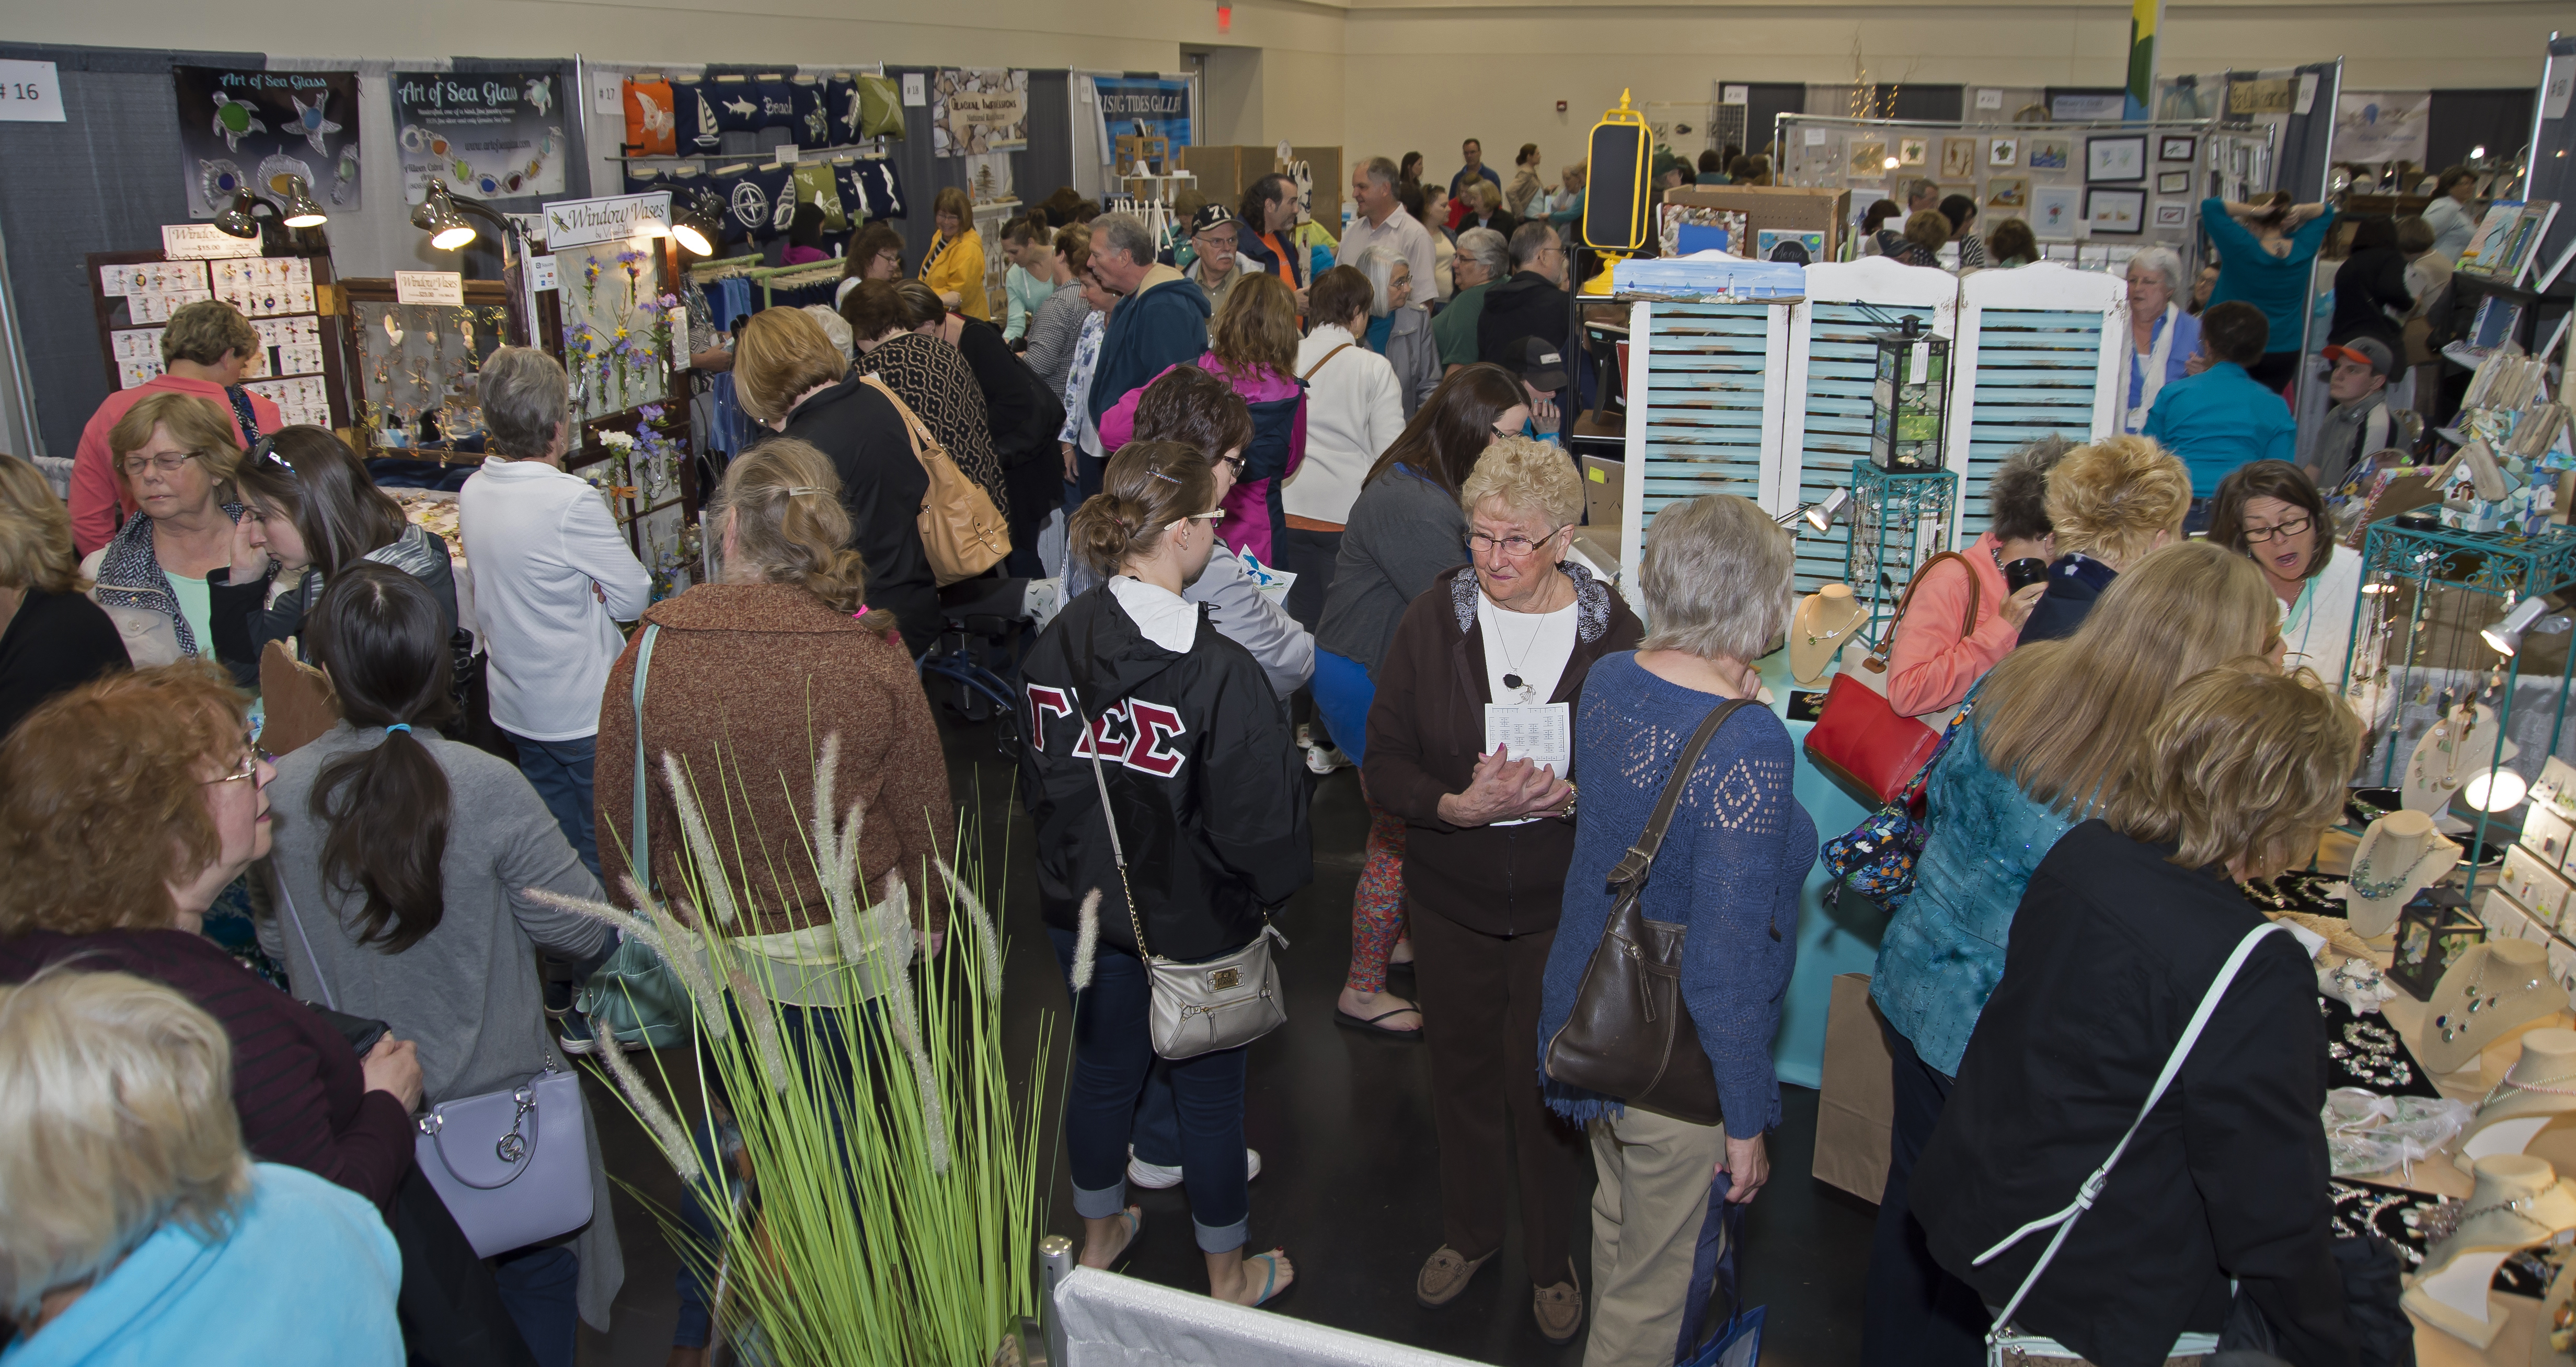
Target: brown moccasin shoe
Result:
[1444, 1276]
[1559, 1309]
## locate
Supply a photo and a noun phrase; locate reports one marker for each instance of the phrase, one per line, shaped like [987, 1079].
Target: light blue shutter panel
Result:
[1704, 420]
[1842, 364]
[2036, 372]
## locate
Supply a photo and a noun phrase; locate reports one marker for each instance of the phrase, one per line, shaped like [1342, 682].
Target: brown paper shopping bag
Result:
[1857, 1104]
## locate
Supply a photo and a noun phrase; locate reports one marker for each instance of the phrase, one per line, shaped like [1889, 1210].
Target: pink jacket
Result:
[1930, 666]
[1246, 524]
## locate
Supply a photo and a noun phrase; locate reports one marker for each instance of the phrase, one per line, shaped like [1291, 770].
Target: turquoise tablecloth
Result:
[1830, 940]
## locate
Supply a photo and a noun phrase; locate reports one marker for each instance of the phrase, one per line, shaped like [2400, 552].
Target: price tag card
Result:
[1544, 733]
[30, 93]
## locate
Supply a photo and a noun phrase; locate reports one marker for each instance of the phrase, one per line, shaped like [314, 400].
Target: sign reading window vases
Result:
[488, 134]
[251, 129]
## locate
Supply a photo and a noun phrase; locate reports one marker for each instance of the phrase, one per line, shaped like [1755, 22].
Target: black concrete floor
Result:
[1349, 1180]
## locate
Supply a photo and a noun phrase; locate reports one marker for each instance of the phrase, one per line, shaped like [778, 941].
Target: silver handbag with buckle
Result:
[512, 1166]
[1202, 1007]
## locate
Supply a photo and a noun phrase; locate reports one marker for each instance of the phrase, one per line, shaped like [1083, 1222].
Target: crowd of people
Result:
[2125, 734]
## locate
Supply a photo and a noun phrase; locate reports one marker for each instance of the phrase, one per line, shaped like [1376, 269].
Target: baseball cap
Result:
[2367, 350]
[1209, 216]
[1536, 362]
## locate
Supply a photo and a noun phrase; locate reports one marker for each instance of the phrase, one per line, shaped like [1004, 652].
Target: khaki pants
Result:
[1646, 1218]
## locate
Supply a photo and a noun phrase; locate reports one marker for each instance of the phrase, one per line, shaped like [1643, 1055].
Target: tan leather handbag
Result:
[1630, 1035]
[961, 531]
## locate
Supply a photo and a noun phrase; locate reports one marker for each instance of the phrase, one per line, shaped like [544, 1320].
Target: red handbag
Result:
[1869, 749]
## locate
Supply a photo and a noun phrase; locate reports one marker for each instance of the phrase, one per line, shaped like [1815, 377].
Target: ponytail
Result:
[385, 810]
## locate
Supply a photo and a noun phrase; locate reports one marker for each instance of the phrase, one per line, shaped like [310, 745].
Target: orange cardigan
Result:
[1930, 666]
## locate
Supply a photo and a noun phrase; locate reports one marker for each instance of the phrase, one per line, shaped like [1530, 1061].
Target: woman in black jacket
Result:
[2370, 294]
[792, 377]
[1021, 418]
[1211, 814]
[2124, 928]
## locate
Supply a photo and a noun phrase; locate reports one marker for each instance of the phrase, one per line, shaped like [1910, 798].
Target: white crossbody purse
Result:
[2009, 1347]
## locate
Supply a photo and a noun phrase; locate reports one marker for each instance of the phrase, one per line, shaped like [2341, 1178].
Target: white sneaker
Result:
[1305, 735]
[1324, 759]
[1042, 600]
[1156, 1177]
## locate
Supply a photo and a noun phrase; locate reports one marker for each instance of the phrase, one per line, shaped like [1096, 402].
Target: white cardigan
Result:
[539, 540]
[1353, 413]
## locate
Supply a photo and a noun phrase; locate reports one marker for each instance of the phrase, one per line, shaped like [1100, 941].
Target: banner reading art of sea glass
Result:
[251, 129]
[487, 134]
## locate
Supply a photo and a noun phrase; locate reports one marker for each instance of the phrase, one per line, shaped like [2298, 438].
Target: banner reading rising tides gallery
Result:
[242, 128]
[1142, 104]
[488, 134]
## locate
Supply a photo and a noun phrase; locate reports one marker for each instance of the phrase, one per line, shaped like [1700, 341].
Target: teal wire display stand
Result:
[1898, 521]
[2505, 567]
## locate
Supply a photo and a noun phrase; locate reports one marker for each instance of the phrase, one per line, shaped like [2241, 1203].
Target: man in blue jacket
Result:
[2222, 417]
[1160, 320]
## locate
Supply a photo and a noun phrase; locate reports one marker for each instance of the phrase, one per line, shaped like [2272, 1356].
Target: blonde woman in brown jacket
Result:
[750, 677]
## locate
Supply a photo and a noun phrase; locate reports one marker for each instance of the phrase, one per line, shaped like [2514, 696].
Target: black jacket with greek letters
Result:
[1209, 796]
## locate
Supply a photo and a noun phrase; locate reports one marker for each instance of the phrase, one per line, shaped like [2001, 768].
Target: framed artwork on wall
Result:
[2172, 215]
[2008, 192]
[1958, 158]
[1912, 151]
[2112, 210]
[2176, 147]
[2003, 152]
[2052, 211]
[2173, 182]
[1869, 159]
[2049, 154]
[2116, 158]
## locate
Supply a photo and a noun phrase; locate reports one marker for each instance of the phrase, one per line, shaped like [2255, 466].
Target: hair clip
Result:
[1167, 479]
[266, 449]
[802, 489]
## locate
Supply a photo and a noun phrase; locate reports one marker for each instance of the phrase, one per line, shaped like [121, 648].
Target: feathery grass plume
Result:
[1086, 944]
[764, 1026]
[702, 842]
[988, 942]
[826, 770]
[624, 922]
[668, 1133]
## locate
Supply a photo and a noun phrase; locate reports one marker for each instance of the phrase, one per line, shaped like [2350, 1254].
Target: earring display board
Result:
[289, 301]
[416, 367]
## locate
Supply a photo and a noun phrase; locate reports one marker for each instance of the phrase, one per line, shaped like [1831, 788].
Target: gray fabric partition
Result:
[1048, 162]
[105, 179]
[2553, 176]
[2307, 139]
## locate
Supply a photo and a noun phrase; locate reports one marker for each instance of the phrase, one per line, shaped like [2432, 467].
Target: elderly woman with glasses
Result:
[158, 577]
[2163, 336]
[1470, 742]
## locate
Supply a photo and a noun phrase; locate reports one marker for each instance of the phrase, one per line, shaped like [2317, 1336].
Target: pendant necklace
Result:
[1512, 659]
[1815, 638]
[2456, 1024]
[2370, 888]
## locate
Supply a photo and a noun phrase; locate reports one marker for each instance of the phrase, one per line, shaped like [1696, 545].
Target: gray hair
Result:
[1486, 248]
[2017, 492]
[1126, 234]
[1528, 240]
[1715, 579]
[1378, 264]
[525, 397]
[2164, 262]
[1916, 189]
[1382, 170]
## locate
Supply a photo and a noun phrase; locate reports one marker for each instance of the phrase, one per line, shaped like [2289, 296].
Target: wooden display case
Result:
[306, 332]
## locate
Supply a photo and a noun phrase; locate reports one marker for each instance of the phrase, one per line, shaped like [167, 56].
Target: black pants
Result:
[1310, 556]
[450, 1305]
[1915, 1314]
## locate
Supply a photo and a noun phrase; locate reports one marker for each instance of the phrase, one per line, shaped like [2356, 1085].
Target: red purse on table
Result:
[1868, 748]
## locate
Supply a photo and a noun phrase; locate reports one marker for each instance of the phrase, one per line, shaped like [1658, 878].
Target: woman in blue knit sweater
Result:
[1715, 581]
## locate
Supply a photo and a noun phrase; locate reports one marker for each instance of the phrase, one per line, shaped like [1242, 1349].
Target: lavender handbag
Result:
[512, 1166]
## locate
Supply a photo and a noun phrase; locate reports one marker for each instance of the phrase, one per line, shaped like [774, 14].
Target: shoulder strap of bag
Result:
[2064, 1220]
[912, 424]
[1641, 856]
[287, 900]
[1976, 592]
[1319, 362]
[239, 397]
[1117, 851]
[640, 835]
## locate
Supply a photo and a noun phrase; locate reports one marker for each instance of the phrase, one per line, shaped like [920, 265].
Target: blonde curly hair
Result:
[1529, 476]
[2110, 499]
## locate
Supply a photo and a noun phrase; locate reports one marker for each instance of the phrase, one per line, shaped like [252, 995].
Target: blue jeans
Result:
[1156, 1135]
[538, 1285]
[560, 772]
[1113, 1057]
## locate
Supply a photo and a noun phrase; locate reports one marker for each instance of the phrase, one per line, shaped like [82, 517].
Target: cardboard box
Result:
[1224, 171]
[1786, 207]
[1605, 493]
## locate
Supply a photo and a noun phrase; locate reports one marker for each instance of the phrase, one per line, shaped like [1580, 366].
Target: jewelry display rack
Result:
[2405, 572]
[129, 325]
[1898, 521]
[426, 363]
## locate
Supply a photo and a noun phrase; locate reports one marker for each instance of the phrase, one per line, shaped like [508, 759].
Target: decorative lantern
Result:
[1910, 404]
[2433, 931]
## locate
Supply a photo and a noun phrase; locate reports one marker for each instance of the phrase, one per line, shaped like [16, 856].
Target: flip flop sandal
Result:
[1270, 1283]
[1135, 1228]
[1370, 1024]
